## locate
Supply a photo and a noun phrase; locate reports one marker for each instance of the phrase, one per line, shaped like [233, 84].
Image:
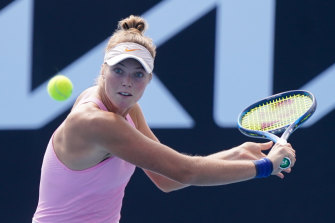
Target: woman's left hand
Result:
[246, 151]
[252, 150]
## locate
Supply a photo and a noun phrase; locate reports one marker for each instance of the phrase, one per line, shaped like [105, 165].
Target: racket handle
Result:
[286, 163]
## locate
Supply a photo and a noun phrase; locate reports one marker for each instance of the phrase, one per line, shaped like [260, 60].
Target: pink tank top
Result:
[91, 195]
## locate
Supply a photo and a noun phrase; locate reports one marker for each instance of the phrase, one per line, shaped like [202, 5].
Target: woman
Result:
[93, 153]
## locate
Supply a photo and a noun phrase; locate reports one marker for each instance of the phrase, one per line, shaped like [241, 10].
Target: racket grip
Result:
[286, 163]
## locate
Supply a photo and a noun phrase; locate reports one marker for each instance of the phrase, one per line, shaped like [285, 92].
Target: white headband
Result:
[127, 50]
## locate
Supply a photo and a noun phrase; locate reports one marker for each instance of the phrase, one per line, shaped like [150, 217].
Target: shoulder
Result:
[84, 117]
[138, 117]
[94, 125]
[140, 122]
[75, 140]
[86, 93]
[88, 118]
[80, 138]
[134, 113]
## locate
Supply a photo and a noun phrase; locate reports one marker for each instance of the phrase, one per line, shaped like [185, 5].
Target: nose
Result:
[126, 81]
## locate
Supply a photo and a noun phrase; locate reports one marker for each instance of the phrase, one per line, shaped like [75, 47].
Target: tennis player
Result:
[93, 153]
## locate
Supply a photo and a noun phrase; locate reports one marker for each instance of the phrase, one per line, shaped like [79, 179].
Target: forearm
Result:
[206, 171]
[229, 154]
[168, 185]
[210, 172]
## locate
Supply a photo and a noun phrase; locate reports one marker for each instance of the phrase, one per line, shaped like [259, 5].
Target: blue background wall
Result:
[303, 50]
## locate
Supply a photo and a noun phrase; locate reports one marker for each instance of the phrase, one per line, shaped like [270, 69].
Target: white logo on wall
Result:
[244, 51]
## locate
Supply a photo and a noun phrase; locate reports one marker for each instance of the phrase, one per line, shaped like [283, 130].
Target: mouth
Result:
[125, 94]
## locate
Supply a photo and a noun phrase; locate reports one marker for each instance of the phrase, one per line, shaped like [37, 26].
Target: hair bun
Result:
[133, 23]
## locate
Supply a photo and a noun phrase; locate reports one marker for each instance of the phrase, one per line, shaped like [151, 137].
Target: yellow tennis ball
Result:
[60, 87]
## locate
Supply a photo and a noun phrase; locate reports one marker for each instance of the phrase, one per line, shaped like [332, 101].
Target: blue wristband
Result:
[264, 167]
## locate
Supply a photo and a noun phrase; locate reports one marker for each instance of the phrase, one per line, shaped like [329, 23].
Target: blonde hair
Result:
[130, 29]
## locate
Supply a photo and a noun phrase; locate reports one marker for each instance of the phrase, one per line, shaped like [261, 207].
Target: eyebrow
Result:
[140, 67]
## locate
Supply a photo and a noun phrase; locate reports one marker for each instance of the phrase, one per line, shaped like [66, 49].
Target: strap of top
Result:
[94, 100]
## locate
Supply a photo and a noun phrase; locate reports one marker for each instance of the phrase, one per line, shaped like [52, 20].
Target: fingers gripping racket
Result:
[283, 112]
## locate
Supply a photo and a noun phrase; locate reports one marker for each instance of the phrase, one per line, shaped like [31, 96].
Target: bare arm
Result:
[112, 133]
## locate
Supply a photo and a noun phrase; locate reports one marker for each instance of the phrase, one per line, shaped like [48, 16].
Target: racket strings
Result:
[276, 113]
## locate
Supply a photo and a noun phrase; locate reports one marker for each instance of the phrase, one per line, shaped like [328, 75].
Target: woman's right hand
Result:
[277, 154]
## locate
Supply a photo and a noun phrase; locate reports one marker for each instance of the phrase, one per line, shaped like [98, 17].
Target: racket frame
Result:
[287, 129]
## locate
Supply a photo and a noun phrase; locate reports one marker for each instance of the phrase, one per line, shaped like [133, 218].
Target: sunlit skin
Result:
[124, 84]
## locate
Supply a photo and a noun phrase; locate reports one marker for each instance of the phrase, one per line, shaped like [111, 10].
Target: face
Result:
[125, 83]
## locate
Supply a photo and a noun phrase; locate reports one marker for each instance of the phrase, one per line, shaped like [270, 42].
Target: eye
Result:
[117, 70]
[139, 75]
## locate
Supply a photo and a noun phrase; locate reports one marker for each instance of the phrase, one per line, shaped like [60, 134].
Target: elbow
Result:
[166, 189]
[170, 187]
[180, 178]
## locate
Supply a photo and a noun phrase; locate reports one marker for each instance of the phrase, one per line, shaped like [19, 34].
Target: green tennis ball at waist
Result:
[60, 88]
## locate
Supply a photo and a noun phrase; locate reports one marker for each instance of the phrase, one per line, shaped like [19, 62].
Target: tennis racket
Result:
[279, 113]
